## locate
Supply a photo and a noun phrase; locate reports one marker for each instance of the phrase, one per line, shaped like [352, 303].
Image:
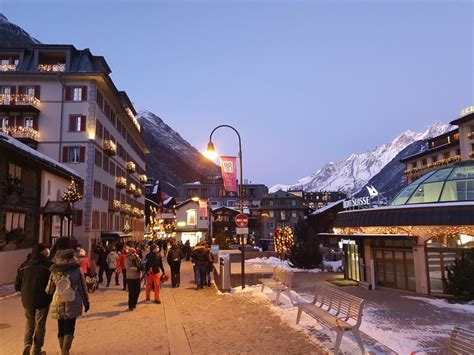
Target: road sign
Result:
[242, 230]
[241, 220]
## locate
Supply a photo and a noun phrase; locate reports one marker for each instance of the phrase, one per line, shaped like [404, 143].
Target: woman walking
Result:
[133, 265]
[69, 291]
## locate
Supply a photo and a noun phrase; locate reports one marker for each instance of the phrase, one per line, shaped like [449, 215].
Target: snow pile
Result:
[440, 303]
[273, 261]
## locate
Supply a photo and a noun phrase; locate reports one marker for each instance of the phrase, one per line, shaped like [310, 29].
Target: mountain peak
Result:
[13, 36]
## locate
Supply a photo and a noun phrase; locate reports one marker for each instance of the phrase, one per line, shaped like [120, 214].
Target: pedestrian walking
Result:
[84, 262]
[174, 257]
[32, 279]
[187, 250]
[101, 261]
[68, 287]
[121, 267]
[209, 265]
[200, 260]
[112, 259]
[154, 264]
[134, 267]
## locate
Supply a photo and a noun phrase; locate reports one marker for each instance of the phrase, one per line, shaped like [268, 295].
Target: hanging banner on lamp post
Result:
[229, 173]
[203, 209]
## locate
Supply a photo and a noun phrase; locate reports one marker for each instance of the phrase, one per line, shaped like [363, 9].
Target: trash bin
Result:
[224, 272]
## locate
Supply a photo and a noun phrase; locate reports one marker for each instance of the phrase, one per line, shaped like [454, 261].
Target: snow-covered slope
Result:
[172, 159]
[352, 174]
[13, 36]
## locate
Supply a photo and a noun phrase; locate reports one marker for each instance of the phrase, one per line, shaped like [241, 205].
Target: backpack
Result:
[64, 291]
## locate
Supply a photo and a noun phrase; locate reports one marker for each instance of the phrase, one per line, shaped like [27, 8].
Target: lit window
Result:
[29, 122]
[293, 214]
[14, 221]
[4, 122]
[14, 171]
[191, 217]
[30, 91]
[74, 154]
[282, 215]
[77, 94]
[271, 214]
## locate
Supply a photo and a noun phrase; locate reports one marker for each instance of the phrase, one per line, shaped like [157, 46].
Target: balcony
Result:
[120, 182]
[110, 147]
[115, 206]
[60, 67]
[446, 161]
[7, 67]
[131, 167]
[20, 101]
[21, 132]
[142, 178]
[131, 188]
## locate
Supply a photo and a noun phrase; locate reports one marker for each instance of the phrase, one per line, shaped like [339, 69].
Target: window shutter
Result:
[65, 155]
[83, 123]
[72, 121]
[84, 93]
[38, 91]
[21, 89]
[78, 218]
[82, 154]
[67, 95]
[13, 90]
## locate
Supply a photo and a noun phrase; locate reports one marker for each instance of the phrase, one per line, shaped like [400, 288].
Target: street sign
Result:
[242, 230]
[241, 220]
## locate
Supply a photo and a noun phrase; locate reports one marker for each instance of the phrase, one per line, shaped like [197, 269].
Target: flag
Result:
[229, 174]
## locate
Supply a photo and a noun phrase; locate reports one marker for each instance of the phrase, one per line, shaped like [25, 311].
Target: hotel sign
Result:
[361, 201]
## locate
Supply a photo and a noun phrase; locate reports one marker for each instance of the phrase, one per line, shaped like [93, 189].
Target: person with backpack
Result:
[32, 279]
[68, 287]
[200, 260]
[154, 264]
[134, 268]
[112, 259]
[174, 257]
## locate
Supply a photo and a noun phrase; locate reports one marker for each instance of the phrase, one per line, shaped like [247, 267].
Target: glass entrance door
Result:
[352, 261]
[395, 269]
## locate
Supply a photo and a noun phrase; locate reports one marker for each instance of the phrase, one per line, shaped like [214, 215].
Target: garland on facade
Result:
[437, 163]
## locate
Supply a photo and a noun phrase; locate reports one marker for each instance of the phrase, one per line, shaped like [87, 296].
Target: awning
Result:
[57, 208]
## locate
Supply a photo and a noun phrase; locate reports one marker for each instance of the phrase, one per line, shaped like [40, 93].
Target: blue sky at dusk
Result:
[305, 82]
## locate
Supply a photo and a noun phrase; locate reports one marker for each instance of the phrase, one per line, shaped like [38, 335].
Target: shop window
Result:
[14, 220]
[14, 171]
[458, 190]
[191, 217]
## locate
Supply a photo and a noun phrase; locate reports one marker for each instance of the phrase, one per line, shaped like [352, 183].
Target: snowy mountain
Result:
[354, 173]
[13, 36]
[172, 159]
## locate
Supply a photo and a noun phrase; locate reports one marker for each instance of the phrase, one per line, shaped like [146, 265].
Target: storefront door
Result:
[395, 269]
[352, 261]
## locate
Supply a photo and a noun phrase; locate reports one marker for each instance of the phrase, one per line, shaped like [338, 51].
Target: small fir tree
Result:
[72, 195]
[460, 282]
[305, 253]
[284, 241]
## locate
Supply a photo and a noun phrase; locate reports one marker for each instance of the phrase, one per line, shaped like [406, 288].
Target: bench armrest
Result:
[428, 349]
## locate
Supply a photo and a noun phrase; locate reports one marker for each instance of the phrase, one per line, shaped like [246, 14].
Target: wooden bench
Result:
[281, 281]
[334, 309]
[461, 342]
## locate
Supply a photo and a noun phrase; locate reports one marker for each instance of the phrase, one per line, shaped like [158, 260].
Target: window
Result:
[77, 123]
[414, 164]
[282, 215]
[74, 154]
[4, 122]
[270, 203]
[458, 152]
[112, 168]
[434, 158]
[293, 214]
[105, 163]
[78, 217]
[423, 162]
[49, 187]
[28, 122]
[100, 100]
[14, 220]
[191, 217]
[103, 221]
[293, 202]
[95, 219]
[105, 193]
[30, 91]
[98, 158]
[98, 129]
[271, 214]
[77, 94]
[97, 189]
[14, 171]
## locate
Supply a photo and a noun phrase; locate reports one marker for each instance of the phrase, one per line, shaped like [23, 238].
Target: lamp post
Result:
[211, 152]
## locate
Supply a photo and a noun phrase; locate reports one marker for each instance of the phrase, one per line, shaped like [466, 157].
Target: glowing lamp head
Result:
[210, 153]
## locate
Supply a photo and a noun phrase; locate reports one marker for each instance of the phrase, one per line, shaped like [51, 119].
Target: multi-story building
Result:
[160, 220]
[64, 101]
[192, 221]
[444, 150]
[281, 209]
[318, 199]
[212, 189]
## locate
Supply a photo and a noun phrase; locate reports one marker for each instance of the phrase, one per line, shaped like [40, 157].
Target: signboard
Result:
[229, 173]
[203, 209]
[242, 230]
[164, 215]
[361, 201]
[241, 220]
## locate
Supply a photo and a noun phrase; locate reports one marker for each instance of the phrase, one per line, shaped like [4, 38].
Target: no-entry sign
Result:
[241, 220]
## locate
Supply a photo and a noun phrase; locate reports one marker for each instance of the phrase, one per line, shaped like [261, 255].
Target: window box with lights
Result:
[131, 168]
[125, 208]
[116, 206]
[21, 132]
[131, 188]
[110, 147]
[137, 193]
[19, 100]
[7, 67]
[142, 178]
[60, 67]
[120, 182]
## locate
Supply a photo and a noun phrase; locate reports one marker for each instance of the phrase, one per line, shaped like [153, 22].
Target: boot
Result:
[67, 343]
[61, 340]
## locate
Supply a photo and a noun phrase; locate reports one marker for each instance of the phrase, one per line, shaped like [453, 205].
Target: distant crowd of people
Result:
[61, 284]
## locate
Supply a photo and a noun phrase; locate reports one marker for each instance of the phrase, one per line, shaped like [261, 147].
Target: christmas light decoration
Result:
[72, 195]
[52, 67]
[21, 132]
[125, 208]
[284, 240]
[116, 205]
[7, 67]
[120, 182]
[142, 178]
[466, 111]
[126, 228]
[110, 147]
[435, 164]
[131, 188]
[133, 118]
[19, 99]
[131, 167]
[138, 192]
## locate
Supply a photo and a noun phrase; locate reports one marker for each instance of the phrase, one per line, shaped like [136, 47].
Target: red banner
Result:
[229, 173]
[203, 209]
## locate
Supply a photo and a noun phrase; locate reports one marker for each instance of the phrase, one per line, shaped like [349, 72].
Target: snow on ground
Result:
[7, 290]
[440, 303]
[273, 261]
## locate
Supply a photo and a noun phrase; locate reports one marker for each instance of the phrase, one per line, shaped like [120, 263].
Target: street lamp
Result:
[212, 154]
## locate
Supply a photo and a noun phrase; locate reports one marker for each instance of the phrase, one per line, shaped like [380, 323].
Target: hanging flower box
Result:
[135, 212]
[110, 147]
[131, 188]
[120, 182]
[131, 167]
[116, 206]
[125, 208]
[142, 178]
[138, 192]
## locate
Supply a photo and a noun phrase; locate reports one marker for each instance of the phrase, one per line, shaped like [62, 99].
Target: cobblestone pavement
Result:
[188, 320]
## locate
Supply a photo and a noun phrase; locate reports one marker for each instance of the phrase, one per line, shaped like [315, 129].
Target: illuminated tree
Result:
[284, 241]
[72, 195]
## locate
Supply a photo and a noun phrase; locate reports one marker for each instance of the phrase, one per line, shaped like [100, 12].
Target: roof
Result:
[60, 208]
[48, 163]
[327, 207]
[463, 119]
[282, 194]
[185, 203]
[225, 207]
[430, 151]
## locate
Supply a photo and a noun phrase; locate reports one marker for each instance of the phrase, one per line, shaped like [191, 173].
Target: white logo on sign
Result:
[228, 167]
[372, 191]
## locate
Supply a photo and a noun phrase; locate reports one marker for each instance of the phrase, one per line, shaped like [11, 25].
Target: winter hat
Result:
[36, 250]
[82, 252]
[66, 255]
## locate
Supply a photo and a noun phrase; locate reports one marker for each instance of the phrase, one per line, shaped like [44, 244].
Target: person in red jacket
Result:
[121, 266]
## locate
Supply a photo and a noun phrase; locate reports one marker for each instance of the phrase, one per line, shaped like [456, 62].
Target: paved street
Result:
[187, 321]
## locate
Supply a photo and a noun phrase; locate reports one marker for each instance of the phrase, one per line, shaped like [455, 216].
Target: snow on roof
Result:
[168, 200]
[415, 205]
[50, 161]
[325, 208]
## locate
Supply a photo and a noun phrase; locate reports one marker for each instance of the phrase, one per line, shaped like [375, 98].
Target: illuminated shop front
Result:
[409, 244]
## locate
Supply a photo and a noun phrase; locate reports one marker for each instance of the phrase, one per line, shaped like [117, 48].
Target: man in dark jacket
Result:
[174, 257]
[102, 261]
[31, 281]
[154, 264]
[200, 259]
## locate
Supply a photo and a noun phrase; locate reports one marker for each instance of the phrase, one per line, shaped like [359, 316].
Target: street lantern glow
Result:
[210, 153]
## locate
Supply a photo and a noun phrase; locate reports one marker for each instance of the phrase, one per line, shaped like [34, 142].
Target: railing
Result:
[19, 99]
[7, 67]
[435, 164]
[52, 67]
[21, 132]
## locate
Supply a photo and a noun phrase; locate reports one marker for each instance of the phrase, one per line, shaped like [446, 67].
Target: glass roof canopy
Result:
[452, 184]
